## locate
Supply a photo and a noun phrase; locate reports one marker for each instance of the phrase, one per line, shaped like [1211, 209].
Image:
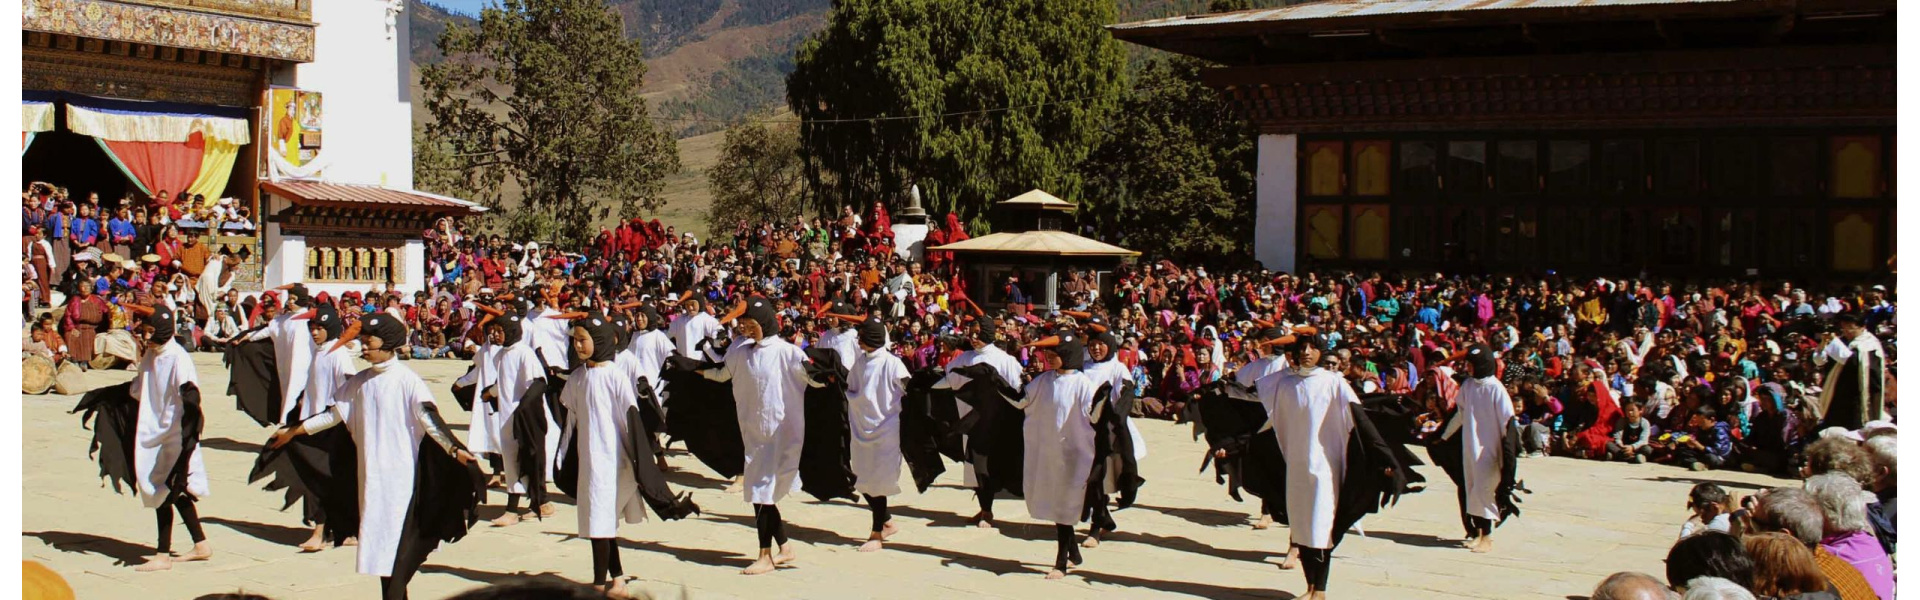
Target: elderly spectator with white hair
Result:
[1796, 512]
[1632, 585]
[1848, 535]
[1715, 588]
[1883, 513]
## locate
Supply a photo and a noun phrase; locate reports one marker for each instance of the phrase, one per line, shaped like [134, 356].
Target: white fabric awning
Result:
[125, 126]
[36, 117]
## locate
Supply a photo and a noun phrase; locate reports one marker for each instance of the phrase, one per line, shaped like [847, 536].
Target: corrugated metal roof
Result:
[1057, 243]
[348, 193]
[1335, 9]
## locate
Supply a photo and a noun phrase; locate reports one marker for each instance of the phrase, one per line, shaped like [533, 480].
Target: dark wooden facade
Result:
[1732, 138]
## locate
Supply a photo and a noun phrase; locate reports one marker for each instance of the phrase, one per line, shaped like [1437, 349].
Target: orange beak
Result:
[491, 311]
[569, 316]
[1263, 323]
[311, 313]
[138, 309]
[1052, 341]
[847, 318]
[352, 333]
[1077, 314]
[738, 310]
[629, 306]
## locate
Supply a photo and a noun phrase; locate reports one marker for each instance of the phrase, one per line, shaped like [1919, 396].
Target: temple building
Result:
[229, 99]
[1678, 137]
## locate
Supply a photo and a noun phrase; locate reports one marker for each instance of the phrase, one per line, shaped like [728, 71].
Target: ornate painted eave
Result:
[273, 29]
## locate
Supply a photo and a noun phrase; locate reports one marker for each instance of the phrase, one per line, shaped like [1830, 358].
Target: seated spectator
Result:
[1795, 512]
[1883, 512]
[1848, 535]
[1709, 505]
[1632, 436]
[1715, 588]
[1838, 455]
[1708, 444]
[1783, 569]
[1774, 440]
[1538, 411]
[1708, 554]
[1631, 585]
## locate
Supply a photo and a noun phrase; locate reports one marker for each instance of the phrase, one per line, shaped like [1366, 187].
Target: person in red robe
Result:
[86, 315]
[1592, 442]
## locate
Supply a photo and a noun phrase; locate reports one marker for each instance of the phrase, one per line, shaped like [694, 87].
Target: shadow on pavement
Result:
[231, 445]
[491, 577]
[699, 556]
[1192, 588]
[801, 533]
[277, 534]
[1416, 539]
[1207, 517]
[1699, 480]
[123, 553]
[996, 566]
[1181, 544]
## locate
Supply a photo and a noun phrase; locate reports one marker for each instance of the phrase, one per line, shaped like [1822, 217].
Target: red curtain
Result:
[169, 166]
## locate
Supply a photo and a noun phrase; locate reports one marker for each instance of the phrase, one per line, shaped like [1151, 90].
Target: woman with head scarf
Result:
[1592, 441]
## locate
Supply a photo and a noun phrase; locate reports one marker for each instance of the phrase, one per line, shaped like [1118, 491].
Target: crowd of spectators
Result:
[1699, 374]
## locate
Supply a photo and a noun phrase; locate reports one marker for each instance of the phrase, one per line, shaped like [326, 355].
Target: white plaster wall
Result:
[361, 72]
[1277, 196]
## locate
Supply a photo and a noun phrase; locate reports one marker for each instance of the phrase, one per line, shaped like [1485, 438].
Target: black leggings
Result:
[1315, 563]
[188, 515]
[984, 493]
[1102, 520]
[766, 519]
[1478, 526]
[513, 502]
[1069, 552]
[879, 506]
[606, 560]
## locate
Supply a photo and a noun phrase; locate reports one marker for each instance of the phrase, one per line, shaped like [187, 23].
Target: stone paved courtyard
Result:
[1185, 537]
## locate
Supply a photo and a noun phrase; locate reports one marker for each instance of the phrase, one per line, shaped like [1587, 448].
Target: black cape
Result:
[995, 442]
[1375, 477]
[1113, 440]
[1446, 454]
[463, 394]
[1852, 402]
[651, 411]
[826, 455]
[700, 412]
[920, 432]
[638, 450]
[446, 493]
[115, 415]
[528, 426]
[255, 382]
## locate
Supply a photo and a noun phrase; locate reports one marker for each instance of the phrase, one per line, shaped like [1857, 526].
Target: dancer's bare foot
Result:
[1093, 539]
[1469, 543]
[201, 551]
[546, 510]
[1056, 574]
[1293, 560]
[983, 520]
[618, 588]
[496, 481]
[157, 562]
[316, 543]
[1483, 545]
[874, 540]
[786, 557]
[761, 566]
[506, 520]
[1264, 522]
[352, 541]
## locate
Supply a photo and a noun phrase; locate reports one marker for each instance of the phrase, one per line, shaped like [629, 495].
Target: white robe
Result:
[1484, 409]
[844, 342]
[1059, 445]
[208, 289]
[156, 445]
[1252, 372]
[548, 334]
[597, 399]
[1311, 417]
[687, 332]
[292, 357]
[769, 377]
[516, 368]
[651, 349]
[379, 408]
[330, 370]
[877, 383]
[1005, 364]
[483, 432]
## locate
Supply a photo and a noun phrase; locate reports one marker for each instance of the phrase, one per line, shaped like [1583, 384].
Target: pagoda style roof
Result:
[1044, 243]
[1036, 199]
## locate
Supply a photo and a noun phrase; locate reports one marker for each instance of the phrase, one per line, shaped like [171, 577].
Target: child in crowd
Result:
[1632, 436]
[1709, 505]
[1709, 442]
